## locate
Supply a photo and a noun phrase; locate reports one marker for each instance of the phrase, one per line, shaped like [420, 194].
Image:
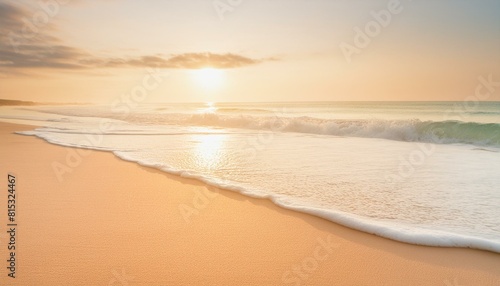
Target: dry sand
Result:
[111, 222]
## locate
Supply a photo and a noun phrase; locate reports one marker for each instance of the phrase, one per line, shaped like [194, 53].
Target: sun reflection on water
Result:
[208, 150]
[209, 108]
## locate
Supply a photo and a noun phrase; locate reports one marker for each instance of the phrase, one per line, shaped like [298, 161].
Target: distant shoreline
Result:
[8, 102]
[11, 102]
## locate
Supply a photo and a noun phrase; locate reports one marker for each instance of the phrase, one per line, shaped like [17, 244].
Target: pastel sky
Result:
[247, 50]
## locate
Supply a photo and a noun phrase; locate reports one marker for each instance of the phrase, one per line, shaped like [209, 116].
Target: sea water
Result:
[418, 172]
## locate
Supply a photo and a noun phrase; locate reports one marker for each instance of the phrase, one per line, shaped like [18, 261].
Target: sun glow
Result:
[209, 78]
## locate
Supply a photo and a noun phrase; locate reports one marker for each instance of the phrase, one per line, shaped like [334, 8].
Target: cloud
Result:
[9, 15]
[181, 61]
[26, 44]
[198, 60]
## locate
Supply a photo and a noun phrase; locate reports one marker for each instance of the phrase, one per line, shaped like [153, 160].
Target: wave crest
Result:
[443, 132]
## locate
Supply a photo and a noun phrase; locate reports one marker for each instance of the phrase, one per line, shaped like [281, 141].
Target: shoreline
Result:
[164, 229]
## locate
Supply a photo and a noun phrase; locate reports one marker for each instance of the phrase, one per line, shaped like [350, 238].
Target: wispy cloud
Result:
[9, 15]
[180, 61]
[197, 60]
[24, 45]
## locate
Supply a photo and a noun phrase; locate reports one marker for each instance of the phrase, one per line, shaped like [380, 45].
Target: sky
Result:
[96, 51]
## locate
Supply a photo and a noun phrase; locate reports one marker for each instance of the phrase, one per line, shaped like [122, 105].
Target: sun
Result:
[209, 78]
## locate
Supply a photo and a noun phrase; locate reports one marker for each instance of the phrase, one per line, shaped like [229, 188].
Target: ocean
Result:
[423, 173]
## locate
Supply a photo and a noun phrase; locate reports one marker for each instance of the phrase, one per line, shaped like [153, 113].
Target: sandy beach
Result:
[103, 221]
